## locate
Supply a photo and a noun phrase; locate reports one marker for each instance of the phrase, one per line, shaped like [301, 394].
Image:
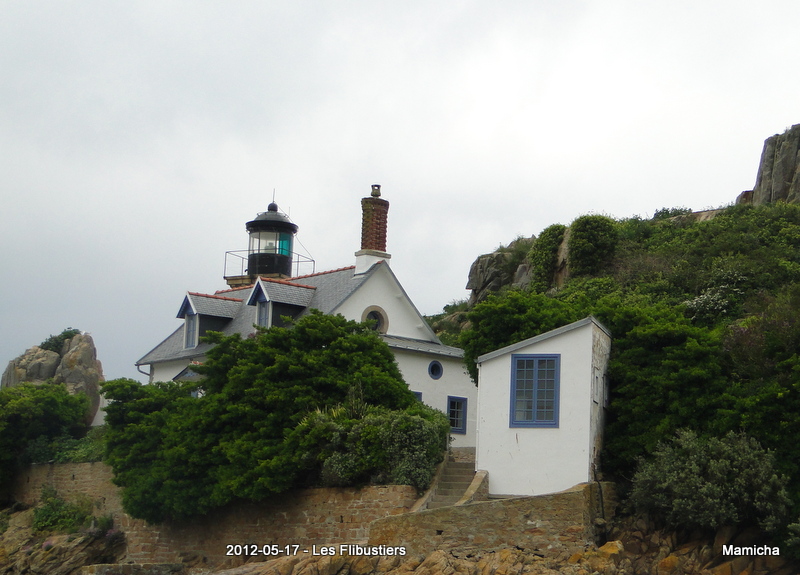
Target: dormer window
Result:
[262, 314]
[190, 330]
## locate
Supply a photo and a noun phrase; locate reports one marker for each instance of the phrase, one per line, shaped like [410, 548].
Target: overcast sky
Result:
[137, 138]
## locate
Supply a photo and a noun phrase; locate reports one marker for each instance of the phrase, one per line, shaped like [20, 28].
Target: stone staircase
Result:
[454, 481]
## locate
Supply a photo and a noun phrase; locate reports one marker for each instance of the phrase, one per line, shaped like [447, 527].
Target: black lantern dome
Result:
[271, 243]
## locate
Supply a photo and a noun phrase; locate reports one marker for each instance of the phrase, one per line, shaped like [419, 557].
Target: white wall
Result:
[383, 290]
[454, 382]
[165, 371]
[533, 461]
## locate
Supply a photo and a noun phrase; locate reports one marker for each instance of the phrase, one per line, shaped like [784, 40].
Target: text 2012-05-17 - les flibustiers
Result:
[275, 550]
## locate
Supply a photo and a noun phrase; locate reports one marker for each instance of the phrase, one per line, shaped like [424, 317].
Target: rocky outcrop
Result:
[22, 551]
[503, 267]
[36, 364]
[76, 366]
[487, 275]
[779, 171]
[80, 369]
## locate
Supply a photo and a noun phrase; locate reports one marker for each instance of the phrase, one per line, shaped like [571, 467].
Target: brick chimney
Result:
[374, 212]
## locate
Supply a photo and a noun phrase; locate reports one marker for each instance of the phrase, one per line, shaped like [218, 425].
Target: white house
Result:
[541, 410]
[267, 291]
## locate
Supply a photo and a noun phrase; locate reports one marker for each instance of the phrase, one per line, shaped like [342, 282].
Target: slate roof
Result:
[324, 291]
[214, 305]
[335, 286]
[287, 292]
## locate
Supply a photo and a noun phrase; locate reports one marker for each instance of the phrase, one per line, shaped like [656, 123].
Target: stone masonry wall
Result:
[318, 516]
[554, 526]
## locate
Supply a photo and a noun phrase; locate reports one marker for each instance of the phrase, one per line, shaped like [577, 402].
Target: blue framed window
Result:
[418, 395]
[435, 369]
[457, 412]
[535, 386]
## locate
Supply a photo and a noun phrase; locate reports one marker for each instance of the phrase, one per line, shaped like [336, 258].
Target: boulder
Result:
[80, 370]
[36, 364]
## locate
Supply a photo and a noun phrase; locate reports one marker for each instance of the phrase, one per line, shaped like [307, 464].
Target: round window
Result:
[435, 369]
[377, 317]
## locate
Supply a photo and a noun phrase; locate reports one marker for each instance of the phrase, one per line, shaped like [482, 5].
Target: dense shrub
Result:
[383, 447]
[28, 412]
[707, 483]
[176, 456]
[543, 257]
[592, 242]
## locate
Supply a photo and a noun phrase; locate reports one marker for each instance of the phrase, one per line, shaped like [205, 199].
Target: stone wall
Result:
[555, 525]
[303, 517]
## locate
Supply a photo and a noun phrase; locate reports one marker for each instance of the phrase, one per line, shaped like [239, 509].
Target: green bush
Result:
[592, 242]
[56, 342]
[177, 456]
[55, 514]
[383, 447]
[708, 483]
[543, 257]
[28, 412]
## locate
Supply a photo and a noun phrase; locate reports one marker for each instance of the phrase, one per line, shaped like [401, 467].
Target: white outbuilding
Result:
[541, 405]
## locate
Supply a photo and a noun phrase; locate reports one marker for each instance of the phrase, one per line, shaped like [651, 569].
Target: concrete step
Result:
[450, 492]
[453, 483]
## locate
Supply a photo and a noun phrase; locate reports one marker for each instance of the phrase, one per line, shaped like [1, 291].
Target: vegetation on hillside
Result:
[705, 317]
[320, 402]
[35, 413]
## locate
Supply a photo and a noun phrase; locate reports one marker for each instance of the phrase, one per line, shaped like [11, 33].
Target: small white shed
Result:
[541, 410]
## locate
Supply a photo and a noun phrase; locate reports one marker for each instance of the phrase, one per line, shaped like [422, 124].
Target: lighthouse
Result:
[271, 244]
[270, 252]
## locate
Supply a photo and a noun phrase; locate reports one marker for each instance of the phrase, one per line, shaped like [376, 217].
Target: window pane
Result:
[535, 390]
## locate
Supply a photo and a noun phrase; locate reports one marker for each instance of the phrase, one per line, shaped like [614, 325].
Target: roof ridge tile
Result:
[287, 282]
[323, 273]
[219, 291]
